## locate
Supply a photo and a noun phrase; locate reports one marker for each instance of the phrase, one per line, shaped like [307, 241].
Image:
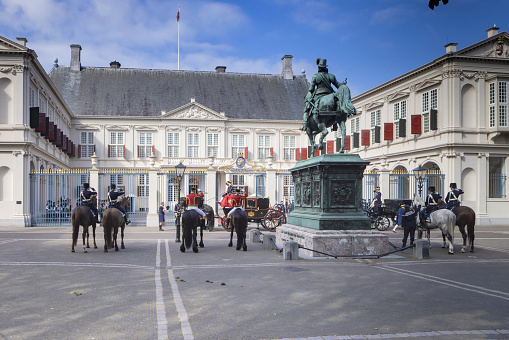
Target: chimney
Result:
[115, 64]
[75, 58]
[22, 41]
[287, 67]
[450, 48]
[492, 31]
[220, 69]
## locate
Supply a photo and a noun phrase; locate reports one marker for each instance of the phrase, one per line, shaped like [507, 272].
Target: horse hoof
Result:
[201, 245]
[122, 247]
[471, 251]
[85, 251]
[95, 247]
[238, 248]
[72, 250]
[229, 244]
[88, 246]
[105, 250]
[116, 248]
[462, 250]
[245, 249]
[195, 250]
[451, 253]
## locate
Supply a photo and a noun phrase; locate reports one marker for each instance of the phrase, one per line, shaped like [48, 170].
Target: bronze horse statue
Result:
[238, 221]
[331, 110]
[82, 215]
[465, 217]
[112, 221]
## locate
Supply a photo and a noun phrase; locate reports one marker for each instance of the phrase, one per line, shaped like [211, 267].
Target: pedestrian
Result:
[161, 216]
[377, 201]
[399, 217]
[409, 225]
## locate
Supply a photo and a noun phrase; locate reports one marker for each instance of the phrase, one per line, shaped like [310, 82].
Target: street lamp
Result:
[179, 169]
[420, 176]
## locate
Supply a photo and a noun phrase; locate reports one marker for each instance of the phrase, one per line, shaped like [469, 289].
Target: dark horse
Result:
[191, 219]
[333, 108]
[82, 215]
[112, 220]
[238, 221]
[465, 216]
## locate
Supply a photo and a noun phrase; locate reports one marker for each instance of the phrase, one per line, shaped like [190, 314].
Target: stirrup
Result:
[127, 222]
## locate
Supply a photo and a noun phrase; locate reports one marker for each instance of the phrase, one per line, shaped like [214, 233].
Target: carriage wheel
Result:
[382, 223]
[224, 224]
[274, 219]
[280, 207]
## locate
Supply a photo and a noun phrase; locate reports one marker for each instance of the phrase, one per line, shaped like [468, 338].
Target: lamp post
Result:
[179, 169]
[420, 176]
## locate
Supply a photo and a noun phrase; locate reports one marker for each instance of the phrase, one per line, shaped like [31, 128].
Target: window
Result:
[193, 144]
[354, 124]
[145, 144]
[31, 97]
[263, 146]
[288, 187]
[238, 145]
[238, 181]
[173, 191]
[116, 147]
[118, 180]
[289, 148]
[87, 144]
[399, 113]
[51, 114]
[502, 104]
[173, 144]
[143, 185]
[429, 101]
[497, 177]
[42, 105]
[374, 122]
[212, 144]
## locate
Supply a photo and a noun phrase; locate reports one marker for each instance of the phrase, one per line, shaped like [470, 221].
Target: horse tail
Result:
[345, 100]
[108, 225]
[451, 224]
[75, 227]
[187, 225]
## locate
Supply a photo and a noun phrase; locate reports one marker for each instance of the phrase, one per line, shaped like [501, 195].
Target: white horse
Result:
[442, 218]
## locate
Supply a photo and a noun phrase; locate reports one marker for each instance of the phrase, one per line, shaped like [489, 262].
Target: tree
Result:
[434, 3]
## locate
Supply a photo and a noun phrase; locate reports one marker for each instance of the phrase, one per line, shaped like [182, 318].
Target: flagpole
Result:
[178, 40]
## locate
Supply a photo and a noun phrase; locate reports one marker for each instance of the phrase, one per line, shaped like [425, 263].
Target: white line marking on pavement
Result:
[433, 334]
[162, 322]
[451, 283]
[185, 325]
[74, 264]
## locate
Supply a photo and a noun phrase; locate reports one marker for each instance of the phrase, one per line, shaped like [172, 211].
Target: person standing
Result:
[452, 197]
[161, 216]
[376, 204]
[409, 225]
[399, 217]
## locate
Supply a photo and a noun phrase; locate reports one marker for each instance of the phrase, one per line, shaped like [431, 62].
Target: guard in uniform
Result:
[431, 202]
[113, 199]
[237, 200]
[227, 195]
[377, 201]
[86, 199]
[452, 199]
[193, 200]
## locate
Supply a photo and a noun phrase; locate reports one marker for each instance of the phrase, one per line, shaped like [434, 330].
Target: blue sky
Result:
[368, 41]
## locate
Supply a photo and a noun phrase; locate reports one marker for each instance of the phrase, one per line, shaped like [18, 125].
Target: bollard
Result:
[254, 236]
[421, 249]
[268, 241]
[290, 250]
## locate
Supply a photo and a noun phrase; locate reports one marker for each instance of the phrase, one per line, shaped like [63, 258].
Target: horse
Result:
[333, 108]
[209, 212]
[465, 216]
[191, 219]
[112, 221]
[82, 215]
[442, 218]
[238, 221]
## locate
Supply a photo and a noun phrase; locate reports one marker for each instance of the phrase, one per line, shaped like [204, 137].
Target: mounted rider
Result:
[227, 195]
[237, 200]
[431, 202]
[320, 86]
[86, 199]
[114, 201]
[452, 198]
[193, 200]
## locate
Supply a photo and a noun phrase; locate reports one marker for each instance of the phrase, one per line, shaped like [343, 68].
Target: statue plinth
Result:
[328, 193]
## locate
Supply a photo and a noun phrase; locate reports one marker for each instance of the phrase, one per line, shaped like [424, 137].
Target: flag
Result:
[178, 14]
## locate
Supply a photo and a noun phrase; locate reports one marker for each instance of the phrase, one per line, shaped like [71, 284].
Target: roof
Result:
[148, 92]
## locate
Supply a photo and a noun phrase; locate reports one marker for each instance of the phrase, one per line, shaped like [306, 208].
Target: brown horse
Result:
[238, 220]
[82, 215]
[465, 216]
[112, 221]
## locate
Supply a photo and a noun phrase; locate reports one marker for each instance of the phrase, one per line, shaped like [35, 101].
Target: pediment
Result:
[425, 84]
[373, 105]
[145, 128]
[8, 45]
[87, 127]
[397, 95]
[117, 128]
[496, 47]
[193, 111]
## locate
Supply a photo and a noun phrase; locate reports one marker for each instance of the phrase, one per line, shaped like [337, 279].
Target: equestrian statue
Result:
[325, 108]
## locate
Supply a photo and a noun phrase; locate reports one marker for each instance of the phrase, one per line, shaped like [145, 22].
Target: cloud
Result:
[391, 16]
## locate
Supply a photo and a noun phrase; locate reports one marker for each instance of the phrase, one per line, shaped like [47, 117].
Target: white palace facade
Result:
[132, 127]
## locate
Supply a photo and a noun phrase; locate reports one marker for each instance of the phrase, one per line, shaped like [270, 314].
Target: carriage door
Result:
[260, 185]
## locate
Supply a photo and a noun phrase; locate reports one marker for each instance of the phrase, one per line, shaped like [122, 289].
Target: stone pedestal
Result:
[328, 193]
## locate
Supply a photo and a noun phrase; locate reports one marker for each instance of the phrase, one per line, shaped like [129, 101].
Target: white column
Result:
[153, 204]
[482, 177]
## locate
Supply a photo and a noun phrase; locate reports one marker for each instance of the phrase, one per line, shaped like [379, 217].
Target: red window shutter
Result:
[347, 143]
[58, 142]
[73, 153]
[388, 131]
[42, 123]
[109, 151]
[365, 137]
[153, 150]
[245, 152]
[330, 146]
[416, 124]
[94, 149]
[69, 147]
[303, 154]
[64, 143]
[297, 154]
[51, 132]
[123, 151]
[317, 152]
[272, 152]
[79, 150]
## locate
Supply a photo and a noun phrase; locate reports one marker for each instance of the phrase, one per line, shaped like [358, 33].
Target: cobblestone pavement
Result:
[151, 290]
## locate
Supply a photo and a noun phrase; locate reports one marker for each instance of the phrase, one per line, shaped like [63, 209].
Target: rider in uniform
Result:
[431, 202]
[452, 198]
[86, 199]
[377, 201]
[320, 86]
[237, 200]
[193, 200]
[113, 199]
[227, 194]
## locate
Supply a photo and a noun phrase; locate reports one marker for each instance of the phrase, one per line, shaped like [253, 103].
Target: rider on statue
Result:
[113, 199]
[320, 86]
[86, 199]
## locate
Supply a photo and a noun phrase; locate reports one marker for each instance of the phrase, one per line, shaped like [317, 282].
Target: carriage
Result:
[381, 220]
[259, 210]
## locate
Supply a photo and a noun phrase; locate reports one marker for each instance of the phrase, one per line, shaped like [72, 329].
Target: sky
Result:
[367, 41]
